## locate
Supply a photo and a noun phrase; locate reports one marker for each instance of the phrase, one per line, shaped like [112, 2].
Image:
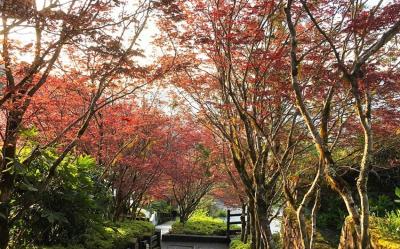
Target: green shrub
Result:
[381, 204]
[237, 244]
[62, 247]
[331, 216]
[160, 207]
[116, 235]
[220, 213]
[390, 224]
[61, 213]
[200, 225]
[276, 237]
[119, 235]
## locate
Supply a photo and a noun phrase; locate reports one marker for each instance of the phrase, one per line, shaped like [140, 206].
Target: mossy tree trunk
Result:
[290, 231]
[349, 237]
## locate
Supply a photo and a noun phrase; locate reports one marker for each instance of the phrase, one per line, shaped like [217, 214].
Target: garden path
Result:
[165, 227]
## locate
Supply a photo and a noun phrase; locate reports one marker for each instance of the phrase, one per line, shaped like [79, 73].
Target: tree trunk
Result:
[4, 229]
[316, 206]
[261, 208]
[363, 191]
[5, 196]
[290, 230]
[183, 216]
[348, 236]
[7, 177]
[119, 206]
[302, 226]
[253, 225]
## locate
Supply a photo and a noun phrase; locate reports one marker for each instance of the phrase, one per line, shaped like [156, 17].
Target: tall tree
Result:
[85, 33]
[220, 49]
[354, 39]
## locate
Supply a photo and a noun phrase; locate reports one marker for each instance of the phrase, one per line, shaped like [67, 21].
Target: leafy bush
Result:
[200, 225]
[116, 235]
[397, 193]
[237, 244]
[119, 235]
[208, 207]
[160, 207]
[277, 240]
[390, 224]
[62, 211]
[69, 205]
[220, 213]
[381, 204]
[331, 216]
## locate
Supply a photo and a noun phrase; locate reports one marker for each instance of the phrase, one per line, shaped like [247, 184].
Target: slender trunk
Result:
[263, 221]
[258, 234]
[363, 192]
[305, 239]
[253, 224]
[119, 205]
[333, 179]
[117, 213]
[313, 234]
[183, 216]
[271, 242]
[301, 220]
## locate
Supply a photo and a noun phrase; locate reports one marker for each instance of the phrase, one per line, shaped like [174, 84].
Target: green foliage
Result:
[160, 207]
[397, 193]
[200, 224]
[119, 235]
[64, 209]
[29, 133]
[220, 213]
[208, 207]
[237, 244]
[116, 235]
[332, 211]
[390, 224]
[277, 240]
[381, 204]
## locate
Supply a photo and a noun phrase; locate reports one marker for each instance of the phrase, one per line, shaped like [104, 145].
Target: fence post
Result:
[143, 244]
[228, 220]
[243, 223]
[159, 237]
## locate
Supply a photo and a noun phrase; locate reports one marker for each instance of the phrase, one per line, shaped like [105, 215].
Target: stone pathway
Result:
[165, 227]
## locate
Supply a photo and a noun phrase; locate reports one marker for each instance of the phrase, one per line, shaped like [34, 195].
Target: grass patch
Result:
[200, 225]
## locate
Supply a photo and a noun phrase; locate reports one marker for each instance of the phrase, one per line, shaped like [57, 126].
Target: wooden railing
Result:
[151, 242]
[242, 222]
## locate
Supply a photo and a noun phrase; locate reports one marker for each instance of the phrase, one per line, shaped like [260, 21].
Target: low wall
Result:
[180, 241]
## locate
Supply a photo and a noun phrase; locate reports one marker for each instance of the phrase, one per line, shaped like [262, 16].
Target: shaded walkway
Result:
[165, 227]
